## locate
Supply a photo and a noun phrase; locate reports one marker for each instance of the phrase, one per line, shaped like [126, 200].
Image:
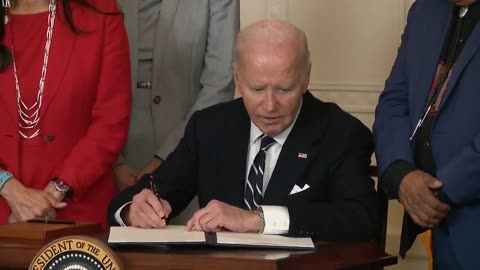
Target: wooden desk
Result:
[17, 254]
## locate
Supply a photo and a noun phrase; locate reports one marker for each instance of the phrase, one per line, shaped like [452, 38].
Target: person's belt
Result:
[147, 84]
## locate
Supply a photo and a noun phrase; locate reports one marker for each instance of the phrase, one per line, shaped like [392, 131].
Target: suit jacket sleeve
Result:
[175, 179]
[460, 175]
[216, 79]
[352, 198]
[392, 126]
[96, 151]
[3, 164]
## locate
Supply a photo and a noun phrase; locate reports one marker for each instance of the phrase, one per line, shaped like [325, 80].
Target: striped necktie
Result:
[254, 186]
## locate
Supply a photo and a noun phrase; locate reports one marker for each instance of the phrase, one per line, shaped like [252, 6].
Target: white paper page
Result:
[255, 239]
[170, 234]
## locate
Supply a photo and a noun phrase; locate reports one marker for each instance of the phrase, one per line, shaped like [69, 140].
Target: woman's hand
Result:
[26, 203]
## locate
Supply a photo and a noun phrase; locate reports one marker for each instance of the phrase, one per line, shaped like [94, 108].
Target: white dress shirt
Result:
[277, 219]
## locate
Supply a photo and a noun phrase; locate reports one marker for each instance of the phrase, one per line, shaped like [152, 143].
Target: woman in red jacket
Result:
[64, 107]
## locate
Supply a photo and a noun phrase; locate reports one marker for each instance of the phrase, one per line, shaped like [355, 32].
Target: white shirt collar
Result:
[255, 132]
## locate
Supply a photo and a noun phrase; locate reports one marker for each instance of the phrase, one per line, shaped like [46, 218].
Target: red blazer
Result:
[84, 116]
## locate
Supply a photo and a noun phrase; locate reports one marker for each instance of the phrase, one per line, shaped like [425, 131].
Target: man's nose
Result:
[270, 101]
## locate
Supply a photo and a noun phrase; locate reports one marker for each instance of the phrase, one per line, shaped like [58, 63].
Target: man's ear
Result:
[307, 76]
[235, 73]
[309, 69]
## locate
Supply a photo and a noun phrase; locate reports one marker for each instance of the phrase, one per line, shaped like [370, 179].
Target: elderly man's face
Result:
[464, 2]
[272, 84]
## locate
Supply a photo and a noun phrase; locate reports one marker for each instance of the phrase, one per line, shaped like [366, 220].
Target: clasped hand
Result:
[125, 176]
[417, 194]
[27, 203]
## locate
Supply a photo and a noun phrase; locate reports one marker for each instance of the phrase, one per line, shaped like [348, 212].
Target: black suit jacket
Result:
[210, 161]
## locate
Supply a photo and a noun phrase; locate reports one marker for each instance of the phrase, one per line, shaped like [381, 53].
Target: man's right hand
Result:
[26, 203]
[417, 195]
[124, 176]
[147, 211]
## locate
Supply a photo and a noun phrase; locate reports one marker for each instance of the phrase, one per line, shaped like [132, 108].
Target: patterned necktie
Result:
[254, 186]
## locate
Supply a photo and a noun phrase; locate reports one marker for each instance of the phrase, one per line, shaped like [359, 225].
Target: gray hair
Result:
[272, 33]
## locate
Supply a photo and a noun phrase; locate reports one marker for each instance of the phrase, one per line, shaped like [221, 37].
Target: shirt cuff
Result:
[118, 218]
[277, 219]
[393, 175]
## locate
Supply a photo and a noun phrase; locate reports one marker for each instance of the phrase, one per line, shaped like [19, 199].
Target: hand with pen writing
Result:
[148, 210]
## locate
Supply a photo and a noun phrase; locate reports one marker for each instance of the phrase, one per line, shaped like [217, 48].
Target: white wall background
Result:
[353, 45]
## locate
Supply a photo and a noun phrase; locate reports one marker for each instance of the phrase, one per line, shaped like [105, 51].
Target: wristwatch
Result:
[259, 212]
[63, 187]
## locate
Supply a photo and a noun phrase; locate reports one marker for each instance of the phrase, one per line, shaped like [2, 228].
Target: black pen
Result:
[153, 188]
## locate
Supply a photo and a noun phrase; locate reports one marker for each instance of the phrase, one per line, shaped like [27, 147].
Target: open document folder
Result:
[176, 235]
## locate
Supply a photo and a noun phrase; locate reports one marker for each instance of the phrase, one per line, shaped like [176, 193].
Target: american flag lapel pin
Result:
[302, 155]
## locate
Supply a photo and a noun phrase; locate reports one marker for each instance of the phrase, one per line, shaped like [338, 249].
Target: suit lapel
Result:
[167, 13]
[238, 139]
[471, 48]
[295, 155]
[437, 28]
[60, 52]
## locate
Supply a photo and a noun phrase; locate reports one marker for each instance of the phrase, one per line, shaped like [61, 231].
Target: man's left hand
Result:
[219, 216]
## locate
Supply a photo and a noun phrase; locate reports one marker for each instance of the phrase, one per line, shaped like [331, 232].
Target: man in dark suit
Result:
[276, 161]
[427, 130]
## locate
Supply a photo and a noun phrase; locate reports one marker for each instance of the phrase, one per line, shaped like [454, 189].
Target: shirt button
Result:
[157, 99]
[49, 138]
[427, 144]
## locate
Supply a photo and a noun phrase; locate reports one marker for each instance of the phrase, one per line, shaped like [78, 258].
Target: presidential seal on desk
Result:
[75, 253]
